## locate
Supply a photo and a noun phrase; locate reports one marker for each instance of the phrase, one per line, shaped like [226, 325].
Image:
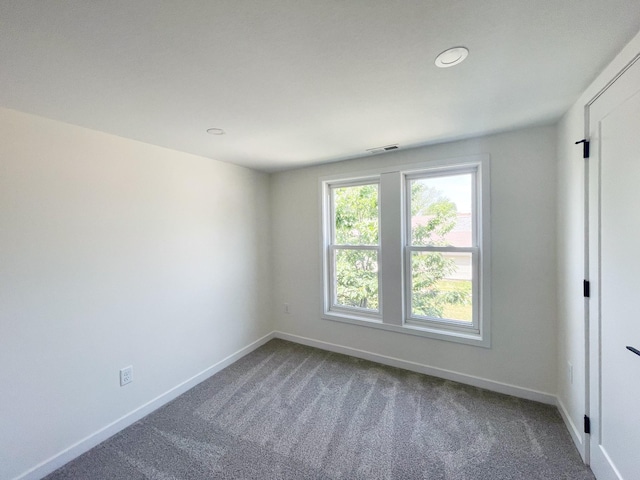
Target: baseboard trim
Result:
[87, 443]
[46, 467]
[480, 382]
[574, 431]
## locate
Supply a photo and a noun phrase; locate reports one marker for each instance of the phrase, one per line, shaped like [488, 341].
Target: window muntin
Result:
[355, 247]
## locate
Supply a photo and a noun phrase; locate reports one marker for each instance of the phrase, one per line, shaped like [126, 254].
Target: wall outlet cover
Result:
[126, 375]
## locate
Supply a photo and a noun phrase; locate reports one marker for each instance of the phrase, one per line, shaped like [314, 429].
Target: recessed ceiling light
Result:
[215, 131]
[451, 57]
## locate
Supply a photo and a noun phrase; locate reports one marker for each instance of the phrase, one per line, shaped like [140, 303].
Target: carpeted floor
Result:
[287, 411]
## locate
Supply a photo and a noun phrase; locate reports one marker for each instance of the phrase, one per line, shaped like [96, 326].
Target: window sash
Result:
[444, 172]
[448, 323]
[332, 248]
[332, 208]
[333, 284]
[474, 249]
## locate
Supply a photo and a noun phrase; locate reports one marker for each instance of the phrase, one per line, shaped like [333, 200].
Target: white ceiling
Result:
[297, 82]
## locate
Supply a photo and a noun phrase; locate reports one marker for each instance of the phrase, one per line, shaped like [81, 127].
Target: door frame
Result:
[592, 254]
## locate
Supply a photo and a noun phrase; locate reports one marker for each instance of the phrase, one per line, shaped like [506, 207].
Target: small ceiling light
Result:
[215, 131]
[451, 57]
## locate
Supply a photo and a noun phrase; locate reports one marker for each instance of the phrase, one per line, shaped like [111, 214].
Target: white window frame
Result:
[331, 304]
[474, 250]
[394, 252]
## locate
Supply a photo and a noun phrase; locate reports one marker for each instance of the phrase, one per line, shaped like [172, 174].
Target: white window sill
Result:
[467, 338]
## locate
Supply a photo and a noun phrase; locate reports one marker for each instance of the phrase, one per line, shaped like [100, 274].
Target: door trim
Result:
[587, 253]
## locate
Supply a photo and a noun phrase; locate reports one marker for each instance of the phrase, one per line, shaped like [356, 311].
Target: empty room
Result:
[340, 239]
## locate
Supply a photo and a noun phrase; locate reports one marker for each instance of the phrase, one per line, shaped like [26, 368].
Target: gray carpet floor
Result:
[287, 411]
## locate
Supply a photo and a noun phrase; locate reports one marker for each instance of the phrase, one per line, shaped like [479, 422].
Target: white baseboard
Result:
[487, 384]
[84, 445]
[574, 431]
[130, 418]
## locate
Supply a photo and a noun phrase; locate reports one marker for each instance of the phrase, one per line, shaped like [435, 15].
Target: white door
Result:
[614, 271]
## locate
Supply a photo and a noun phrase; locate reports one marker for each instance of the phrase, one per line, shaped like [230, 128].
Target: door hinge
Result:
[585, 147]
[586, 288]
[587, 424]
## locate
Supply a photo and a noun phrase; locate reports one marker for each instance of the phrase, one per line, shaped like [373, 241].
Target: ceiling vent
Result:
[385, 148]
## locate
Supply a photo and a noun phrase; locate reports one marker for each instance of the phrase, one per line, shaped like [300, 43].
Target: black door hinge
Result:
[586, 288]
[585, 147]
[587, 424]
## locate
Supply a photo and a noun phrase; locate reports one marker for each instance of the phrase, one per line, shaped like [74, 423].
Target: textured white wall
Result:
[115, 253]
[571, 310]
[523, 200]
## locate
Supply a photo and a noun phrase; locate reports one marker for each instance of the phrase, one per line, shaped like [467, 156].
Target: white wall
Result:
[523, 196]
[571, 306]
[570, 256]
[116, 253]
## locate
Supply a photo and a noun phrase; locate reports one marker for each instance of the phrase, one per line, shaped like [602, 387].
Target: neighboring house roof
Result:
[459, 236]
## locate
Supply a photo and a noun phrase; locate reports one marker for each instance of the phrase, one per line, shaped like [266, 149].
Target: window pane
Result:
[441, 284]
[356, 278]
[356, 215]
[441, 211]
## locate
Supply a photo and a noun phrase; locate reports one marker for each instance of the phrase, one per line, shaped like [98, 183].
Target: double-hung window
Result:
[407, 249]
[354, 248]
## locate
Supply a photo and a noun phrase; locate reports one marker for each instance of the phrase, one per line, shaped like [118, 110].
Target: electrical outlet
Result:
[126, 375]
[286, 308]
